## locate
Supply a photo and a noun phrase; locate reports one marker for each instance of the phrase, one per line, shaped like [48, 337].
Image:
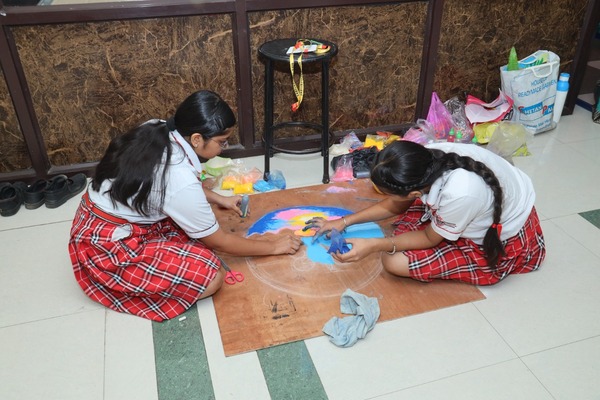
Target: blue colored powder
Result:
[273, 223]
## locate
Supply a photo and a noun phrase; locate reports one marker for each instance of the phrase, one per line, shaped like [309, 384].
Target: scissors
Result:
[232, 277]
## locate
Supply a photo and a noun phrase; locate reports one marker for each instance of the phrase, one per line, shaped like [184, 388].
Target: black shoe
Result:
[11, 198]
[34, 194]
[60, 189]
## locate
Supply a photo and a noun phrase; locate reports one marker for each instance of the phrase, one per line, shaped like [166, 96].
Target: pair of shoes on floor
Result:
[11, 197]
[54, 192]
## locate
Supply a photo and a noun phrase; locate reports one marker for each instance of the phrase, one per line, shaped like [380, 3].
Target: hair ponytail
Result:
[131, 161]
[492, 244]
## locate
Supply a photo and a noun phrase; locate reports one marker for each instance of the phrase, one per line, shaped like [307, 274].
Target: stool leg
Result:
[325, 119]
[268, 116]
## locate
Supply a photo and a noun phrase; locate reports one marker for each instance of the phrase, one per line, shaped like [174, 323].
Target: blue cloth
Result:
[344, 332]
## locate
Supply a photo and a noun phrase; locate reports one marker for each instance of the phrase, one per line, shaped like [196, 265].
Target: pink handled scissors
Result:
[232, 277]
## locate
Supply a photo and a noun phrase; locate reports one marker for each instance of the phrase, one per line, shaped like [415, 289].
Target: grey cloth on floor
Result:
[344, 332]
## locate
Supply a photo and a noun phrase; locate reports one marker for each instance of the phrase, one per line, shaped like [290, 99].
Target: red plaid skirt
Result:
[156, 272]
[464, 260]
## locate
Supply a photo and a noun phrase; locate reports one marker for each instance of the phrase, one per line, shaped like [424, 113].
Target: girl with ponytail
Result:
[464, 213]
[144, 237]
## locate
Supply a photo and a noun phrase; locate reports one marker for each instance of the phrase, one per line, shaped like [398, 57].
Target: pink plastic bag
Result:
[439, 118]
[343, 170]
[422, 133]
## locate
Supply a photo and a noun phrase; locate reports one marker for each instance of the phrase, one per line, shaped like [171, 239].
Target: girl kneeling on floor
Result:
[144, 235]
[465, 214]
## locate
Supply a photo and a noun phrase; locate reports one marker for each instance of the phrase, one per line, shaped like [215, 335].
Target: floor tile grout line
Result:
[49, 318]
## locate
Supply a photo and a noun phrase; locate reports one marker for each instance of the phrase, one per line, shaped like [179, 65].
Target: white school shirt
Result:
[185, 201]
[461, 203]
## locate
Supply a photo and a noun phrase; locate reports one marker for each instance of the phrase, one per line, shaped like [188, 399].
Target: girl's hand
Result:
[231, 203]
[287, 244]
[324, 226]
[359, 249]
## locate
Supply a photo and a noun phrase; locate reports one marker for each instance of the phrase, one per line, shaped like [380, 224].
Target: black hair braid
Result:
[492, 244]
[404, 166]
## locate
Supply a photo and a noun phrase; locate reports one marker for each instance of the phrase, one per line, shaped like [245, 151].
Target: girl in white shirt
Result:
[464, 213]
[144, 237]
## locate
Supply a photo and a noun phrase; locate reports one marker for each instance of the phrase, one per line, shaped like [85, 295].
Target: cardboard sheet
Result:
[289, 298]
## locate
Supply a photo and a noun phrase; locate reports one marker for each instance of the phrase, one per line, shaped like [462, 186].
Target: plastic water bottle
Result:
[562, 87]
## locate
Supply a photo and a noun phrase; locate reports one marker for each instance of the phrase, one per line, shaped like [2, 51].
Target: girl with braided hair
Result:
[144, 237]
[465, 214]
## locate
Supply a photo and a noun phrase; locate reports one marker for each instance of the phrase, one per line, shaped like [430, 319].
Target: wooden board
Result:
[289, 298]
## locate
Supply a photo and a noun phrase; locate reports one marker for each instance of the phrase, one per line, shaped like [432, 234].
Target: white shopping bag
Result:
[533, 89]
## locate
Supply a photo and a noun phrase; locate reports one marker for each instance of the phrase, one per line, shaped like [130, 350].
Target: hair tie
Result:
[498, 228]
[171, 124]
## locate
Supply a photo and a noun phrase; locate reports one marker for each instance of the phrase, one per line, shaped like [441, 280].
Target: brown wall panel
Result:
[13, 151]
[374, 77]
[476, 37]
[92, 81]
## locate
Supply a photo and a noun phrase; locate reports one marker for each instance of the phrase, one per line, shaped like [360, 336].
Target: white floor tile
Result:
[561, 177]
[129, 361]
[577, 127]
[237, 377]
[582, 231]
[300, 170]
[556, 305]
[569, 372]
[508, 380]
[37, 275]
[54, 359]
[408, 352]
[589, 148]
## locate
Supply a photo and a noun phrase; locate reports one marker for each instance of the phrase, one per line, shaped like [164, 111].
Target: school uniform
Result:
[459, 207]
[152, 266]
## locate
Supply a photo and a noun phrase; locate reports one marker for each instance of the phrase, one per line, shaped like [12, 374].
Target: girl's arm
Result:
[239, 246]
[226, 202]
[384, 209]
[417, 240]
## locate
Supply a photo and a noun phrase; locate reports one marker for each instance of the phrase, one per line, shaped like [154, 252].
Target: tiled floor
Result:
[535, 337]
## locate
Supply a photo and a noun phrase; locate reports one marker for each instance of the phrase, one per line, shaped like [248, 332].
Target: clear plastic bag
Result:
[510, 139]
[462, 127]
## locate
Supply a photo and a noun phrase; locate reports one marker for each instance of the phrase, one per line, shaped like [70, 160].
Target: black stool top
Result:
[276, 50]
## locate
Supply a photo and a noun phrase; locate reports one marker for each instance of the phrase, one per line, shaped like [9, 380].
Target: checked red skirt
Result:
[157, 272]
[464, 260]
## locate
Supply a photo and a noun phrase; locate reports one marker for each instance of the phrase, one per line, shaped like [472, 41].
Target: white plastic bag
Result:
[533, 89]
